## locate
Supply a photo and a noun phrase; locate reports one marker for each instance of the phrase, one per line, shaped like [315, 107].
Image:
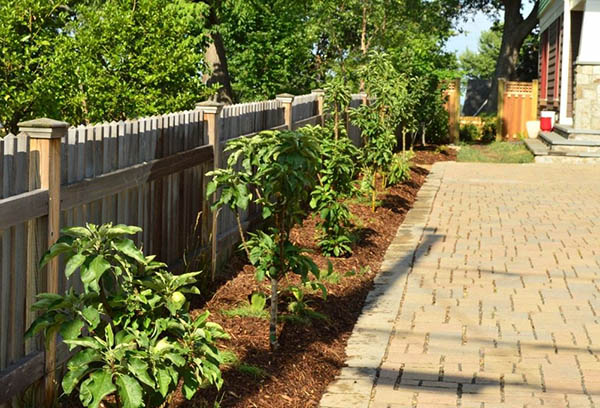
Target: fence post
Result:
[211, 112]
[45, 143]
[456, 112]
[500, 120]
[287, 100]
[320, 94]
[364, 98]
[534, 99]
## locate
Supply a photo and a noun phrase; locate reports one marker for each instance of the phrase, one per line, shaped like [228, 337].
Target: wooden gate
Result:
[517, 104]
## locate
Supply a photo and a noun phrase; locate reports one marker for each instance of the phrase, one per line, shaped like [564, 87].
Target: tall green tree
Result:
[90, 60]
[28, 32]
[516, 29]
[269, 47]
[482, 64]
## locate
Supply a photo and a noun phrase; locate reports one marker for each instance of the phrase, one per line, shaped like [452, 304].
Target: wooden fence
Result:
[517, 104]
[149, 172]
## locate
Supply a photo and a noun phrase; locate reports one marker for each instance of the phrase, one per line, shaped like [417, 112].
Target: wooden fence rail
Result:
[149, 172]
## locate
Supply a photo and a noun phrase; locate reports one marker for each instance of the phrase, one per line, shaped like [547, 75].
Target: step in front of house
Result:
[557, 143]
[544, 154]
[569, 132]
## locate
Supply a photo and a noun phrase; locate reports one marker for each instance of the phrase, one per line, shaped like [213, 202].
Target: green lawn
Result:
[495, 152]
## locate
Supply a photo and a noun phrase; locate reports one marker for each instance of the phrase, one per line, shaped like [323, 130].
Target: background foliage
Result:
[88, 60]
[482, 64]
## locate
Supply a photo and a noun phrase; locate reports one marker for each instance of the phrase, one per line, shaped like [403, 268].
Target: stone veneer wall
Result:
[586, 105]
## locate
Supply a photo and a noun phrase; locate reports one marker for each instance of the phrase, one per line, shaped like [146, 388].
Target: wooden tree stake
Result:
[211, 111]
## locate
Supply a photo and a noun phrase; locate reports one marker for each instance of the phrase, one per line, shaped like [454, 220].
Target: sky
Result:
[473, 28]
[470, 37]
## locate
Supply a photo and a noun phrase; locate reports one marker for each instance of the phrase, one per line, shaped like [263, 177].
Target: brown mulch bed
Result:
[310, 354]
[432, 154]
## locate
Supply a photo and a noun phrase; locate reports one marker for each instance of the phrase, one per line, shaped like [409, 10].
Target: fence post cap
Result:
[44, 128]
[318, 92]
[285, 98]
[210, 107]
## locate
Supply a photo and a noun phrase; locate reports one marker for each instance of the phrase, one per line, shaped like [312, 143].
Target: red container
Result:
[546, 124]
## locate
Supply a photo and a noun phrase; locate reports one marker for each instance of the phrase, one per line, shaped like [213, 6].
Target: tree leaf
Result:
[130, 391]
[163, 379]
[93, 272]
[98, 387]
[55, 250]
[76, 232]
[84, 342]
[122, 229]
[211, 187]
[83, 358]
[139, 368]
[72, 377]
[74, 262]
[92, 316]
[109, 335]
[190, 384]
[127, 247]
[71, 329]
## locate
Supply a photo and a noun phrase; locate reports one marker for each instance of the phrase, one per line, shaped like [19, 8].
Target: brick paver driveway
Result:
[500, 307]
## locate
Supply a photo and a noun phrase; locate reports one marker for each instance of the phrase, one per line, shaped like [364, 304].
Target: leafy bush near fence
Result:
[130, 327]
[379, 119]
[488, 130]
[278, 171]
[337, 172]
[469, 133]
[400, 169]
[335, 184]
[486, 133]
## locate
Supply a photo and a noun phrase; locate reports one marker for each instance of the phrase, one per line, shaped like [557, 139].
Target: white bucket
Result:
[533, 128]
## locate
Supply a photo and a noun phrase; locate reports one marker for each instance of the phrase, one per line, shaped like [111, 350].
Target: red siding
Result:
[544, 66]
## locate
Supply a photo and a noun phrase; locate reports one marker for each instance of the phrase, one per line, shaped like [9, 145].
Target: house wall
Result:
[587, 97]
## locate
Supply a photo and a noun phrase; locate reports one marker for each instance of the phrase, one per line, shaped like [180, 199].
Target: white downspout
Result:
[565, 67]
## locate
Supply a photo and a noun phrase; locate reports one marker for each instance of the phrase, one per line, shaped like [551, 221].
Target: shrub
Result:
[378, 121]
[278, 172]
[488, 131]
[136, 338]
[469, 133]
[400, 168]
[335, 184]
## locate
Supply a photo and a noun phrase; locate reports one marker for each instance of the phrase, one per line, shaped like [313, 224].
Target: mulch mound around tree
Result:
[432, 154]
[311, 353]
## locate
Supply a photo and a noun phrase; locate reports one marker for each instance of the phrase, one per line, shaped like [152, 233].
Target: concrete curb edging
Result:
[370, 337]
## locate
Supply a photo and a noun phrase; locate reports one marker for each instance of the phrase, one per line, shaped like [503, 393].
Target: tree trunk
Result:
[273, 322]
[363, 40]
[216, 59]
[516, 29]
